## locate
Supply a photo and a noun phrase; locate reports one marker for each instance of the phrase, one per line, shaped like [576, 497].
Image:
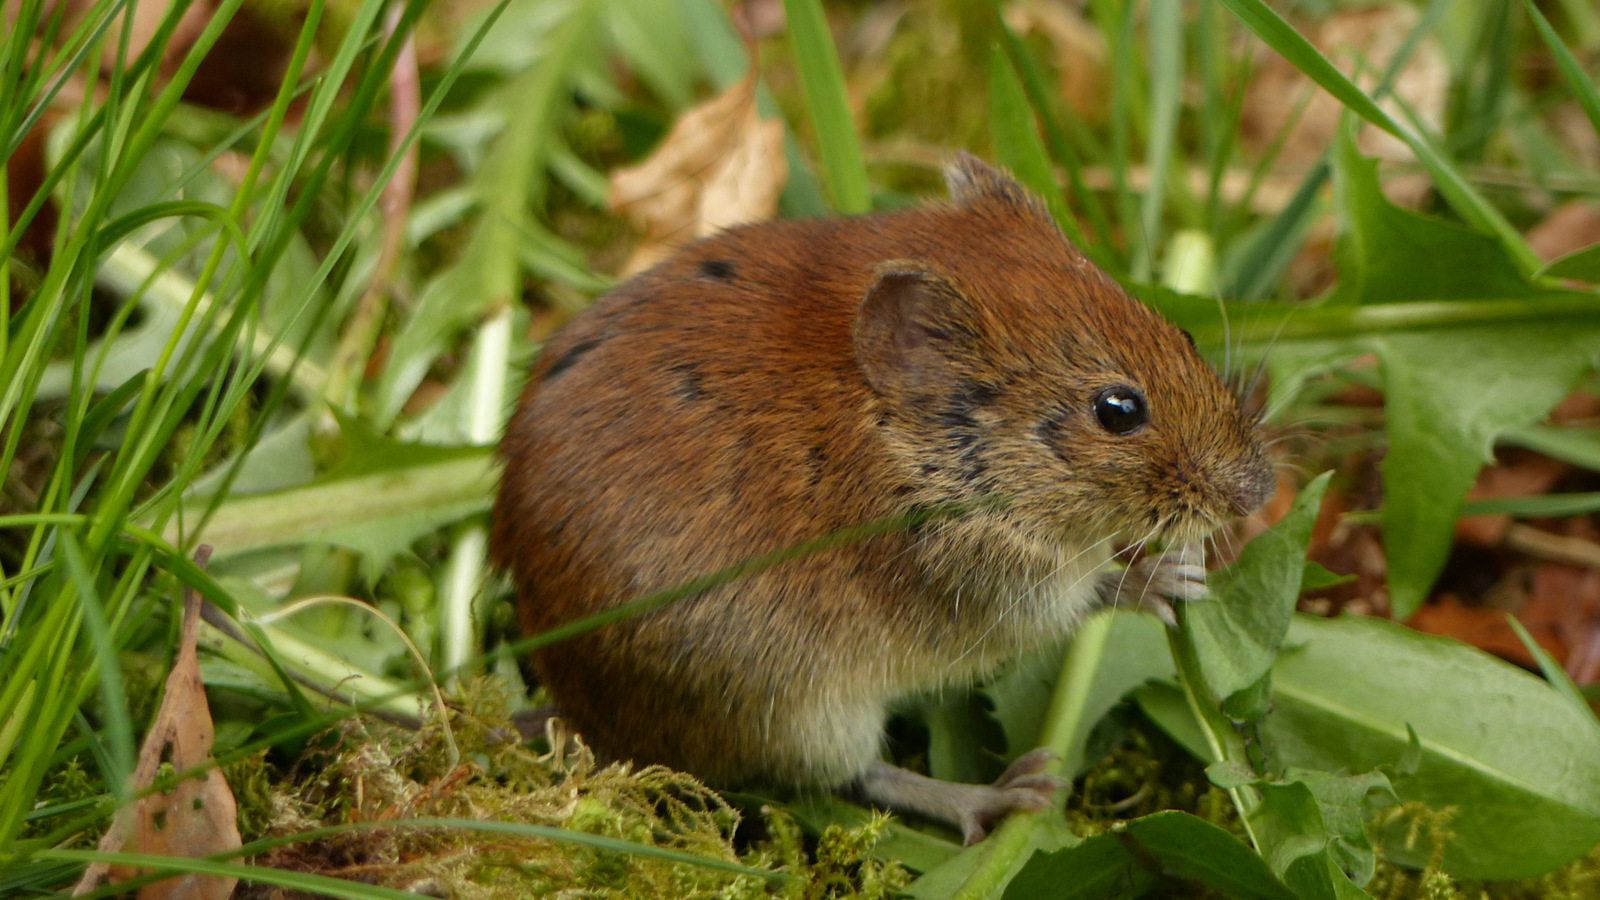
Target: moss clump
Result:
[365, 772]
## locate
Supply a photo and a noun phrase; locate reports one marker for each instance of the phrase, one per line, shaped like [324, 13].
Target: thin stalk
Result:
[822, 82]
[467, 567]
[1330, 322]
[1008, 847]
[1221, 737]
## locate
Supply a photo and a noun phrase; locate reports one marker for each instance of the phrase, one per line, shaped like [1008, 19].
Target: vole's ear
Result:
[912, 323]
[972, 181]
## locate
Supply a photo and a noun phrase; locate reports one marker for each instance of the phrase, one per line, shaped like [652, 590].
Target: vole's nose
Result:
[1253, 489]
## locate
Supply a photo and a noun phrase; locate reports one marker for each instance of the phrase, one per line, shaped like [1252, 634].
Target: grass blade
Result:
[1017, 145]
[1166, 88]
[1465, 199]
[822, 81]
[1060, 149]
[1578, 81]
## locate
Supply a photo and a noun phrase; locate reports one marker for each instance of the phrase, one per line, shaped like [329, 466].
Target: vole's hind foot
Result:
[1154, 582]
[530, 723]
[973, 808]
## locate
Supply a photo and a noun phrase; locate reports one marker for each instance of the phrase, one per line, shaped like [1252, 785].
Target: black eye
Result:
[1121, 409]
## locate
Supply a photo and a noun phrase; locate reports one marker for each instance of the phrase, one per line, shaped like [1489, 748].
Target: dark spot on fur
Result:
[719, 269]
[1054, 430]
[816, 458]
[955, 415]
[974, 393]
[688, 387]
[569, 356]
[902, 489]
[1188, 337]
[930, 469]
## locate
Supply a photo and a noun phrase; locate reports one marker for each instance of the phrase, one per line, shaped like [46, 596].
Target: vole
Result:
[778, 382]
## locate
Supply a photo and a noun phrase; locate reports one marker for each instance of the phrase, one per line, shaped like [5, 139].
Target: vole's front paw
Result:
[1152, 582]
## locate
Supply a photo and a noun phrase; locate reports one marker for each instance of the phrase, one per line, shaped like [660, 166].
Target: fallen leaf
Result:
[197, 817]
[1577, 405]
[1520, 473]
[1484, 628]
[1565, 601]
[720, 165]
[1570, 226]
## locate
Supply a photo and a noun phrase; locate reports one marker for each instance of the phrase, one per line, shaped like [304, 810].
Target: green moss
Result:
[372, 772]
[65, 786]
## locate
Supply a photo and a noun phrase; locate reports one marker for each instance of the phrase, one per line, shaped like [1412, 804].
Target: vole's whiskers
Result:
[1134, 549]
[1020, 596]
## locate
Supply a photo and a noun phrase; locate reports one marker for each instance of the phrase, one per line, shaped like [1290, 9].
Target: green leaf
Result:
[1579, 446]
[1449, 391]
[1514, 763]
[1134, 858]
[822, 81]
[1579, 265]
[1387, 254]
[1310, 814]
[985, 868]
[1296, 842]
[1237, 633]
[1553, 506]
[652, 37]
[1315, 576]
[1163, 703]
[1448, 394]
[380, 499]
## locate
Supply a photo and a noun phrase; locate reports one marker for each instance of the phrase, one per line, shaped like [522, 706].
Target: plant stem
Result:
[1222, 738]
[1285, 323]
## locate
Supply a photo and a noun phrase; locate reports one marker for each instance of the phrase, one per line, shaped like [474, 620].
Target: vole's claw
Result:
[1155, 581]
[1023, 785]
[1030, 763]
[972, 808]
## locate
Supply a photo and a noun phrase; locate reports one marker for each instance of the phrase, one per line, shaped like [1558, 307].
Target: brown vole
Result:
[777, 382]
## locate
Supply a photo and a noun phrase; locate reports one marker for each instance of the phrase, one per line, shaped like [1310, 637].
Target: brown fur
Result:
[777, 382]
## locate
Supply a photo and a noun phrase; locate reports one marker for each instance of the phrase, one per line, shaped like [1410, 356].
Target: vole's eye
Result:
[1121, 409]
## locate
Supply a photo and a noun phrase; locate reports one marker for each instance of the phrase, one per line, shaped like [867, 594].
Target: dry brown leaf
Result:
[720, 165]
[1520, 473]
[1484, 628]
[1565, 600]
[1576, 406]
[1570, 226]
[197, 817]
